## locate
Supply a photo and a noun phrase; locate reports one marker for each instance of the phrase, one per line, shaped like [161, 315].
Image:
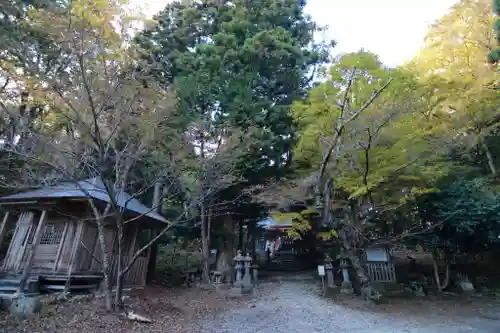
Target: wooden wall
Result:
[136, 276]
[15, 253]
[71, 246]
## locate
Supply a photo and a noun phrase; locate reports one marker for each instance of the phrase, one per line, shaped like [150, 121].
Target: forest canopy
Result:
[222, 111]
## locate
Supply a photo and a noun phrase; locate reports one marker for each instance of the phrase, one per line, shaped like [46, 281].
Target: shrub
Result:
[175, 258]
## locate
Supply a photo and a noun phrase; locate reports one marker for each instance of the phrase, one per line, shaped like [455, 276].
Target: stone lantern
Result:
[238, 267]
[329, 272]
[247, 278]
[243, 283]
[346, 286]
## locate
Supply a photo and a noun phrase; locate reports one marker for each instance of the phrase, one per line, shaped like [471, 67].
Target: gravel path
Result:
[295, 307]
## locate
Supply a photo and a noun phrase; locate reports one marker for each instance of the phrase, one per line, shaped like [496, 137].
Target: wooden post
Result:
[31, 252]
[159, 192]
[18, 245]
[3, 227]
[61, 245]
[74, 251]
[135, 232]
[131, 250]
[156, 197]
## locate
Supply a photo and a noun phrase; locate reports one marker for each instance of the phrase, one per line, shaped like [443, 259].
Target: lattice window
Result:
[52, 233]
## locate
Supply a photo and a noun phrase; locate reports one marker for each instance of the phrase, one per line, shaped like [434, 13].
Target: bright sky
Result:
[393, 29]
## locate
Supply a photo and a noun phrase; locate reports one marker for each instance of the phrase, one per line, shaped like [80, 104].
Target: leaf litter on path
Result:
[172, 310]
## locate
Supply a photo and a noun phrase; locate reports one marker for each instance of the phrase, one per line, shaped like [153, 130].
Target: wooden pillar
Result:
[157, 197]
[73, 255]
[153, 254]
[16, 248]
[134, 231]
[3, 227]
[61, 245]
[31, 252]
[133, 241]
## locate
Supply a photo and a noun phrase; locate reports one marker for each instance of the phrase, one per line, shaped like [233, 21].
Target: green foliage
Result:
[494, 55]
[23, 44]
[454, 54]
[432, 124]
[464, 216]
[425, 150]
[175, 258]
[239, 64]
[381, 141]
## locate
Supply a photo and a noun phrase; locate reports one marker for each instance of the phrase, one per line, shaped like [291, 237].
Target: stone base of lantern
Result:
[346, 287]
[247, 289]
[331, 291]
[241, 290]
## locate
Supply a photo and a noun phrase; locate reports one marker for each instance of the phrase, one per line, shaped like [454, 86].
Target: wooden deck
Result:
[50, 282]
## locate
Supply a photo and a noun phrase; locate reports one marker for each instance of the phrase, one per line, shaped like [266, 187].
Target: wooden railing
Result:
[381, 272]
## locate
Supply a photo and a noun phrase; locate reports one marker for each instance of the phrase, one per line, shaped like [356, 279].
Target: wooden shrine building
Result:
[379, 262]
[54, 231]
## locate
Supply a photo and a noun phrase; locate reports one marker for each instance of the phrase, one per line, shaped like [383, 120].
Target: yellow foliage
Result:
[326, 235]
[310, 211]
[300, 224]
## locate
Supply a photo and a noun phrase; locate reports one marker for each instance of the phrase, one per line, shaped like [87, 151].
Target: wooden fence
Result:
[381, 272]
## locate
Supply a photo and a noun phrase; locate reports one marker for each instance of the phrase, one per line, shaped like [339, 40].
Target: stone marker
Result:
[346, 286]
[466, 286]
[22, 306]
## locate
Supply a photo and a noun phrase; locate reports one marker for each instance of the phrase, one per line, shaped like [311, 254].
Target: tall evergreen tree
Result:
[240, 64]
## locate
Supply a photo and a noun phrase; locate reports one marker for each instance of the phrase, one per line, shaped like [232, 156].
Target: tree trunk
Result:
[253, 239]
[105, 254]
[120, 266]
[437, 279]
[157, 197]
[350, 253]
[105, 265]
[160, 191]
[225, 259]
[119, 287]
[489, 156]
[223, 264]
[205, 245]
[240, 236]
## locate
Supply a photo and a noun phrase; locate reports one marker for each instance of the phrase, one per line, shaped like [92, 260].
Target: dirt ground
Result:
[292, 306]
[171, 311]
[277, 306]
[453, 306]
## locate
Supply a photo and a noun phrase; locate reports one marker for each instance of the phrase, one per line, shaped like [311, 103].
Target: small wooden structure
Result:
[56, 236]
[379, 264]
[276, 250]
